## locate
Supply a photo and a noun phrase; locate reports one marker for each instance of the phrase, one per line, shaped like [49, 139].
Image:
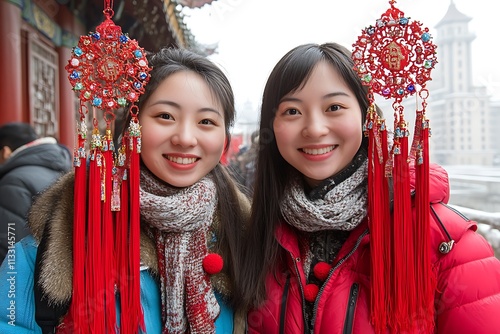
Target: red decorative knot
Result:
[321, 270]
[394, 57]
[213, 263]
[311, 292]
[107, 68]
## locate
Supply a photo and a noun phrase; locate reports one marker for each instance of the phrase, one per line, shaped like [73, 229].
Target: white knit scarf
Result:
[342, 208]
[179, 219]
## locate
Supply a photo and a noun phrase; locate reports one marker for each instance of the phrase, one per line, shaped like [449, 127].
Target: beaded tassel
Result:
[136, 318]
[394, 58]
[107, 70]
[79, 225]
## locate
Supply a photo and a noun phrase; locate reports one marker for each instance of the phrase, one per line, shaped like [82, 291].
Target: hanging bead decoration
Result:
[108, 71]
[394, 58]
[107, 68]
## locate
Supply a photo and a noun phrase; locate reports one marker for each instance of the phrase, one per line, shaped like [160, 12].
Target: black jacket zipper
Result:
[341, 261]
[351, 306]
[306, 326]
[284, 299]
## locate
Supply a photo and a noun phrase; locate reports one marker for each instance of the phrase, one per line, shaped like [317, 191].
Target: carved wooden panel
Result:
[43, 80]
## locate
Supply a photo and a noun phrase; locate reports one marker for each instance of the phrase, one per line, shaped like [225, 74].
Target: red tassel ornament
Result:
[107, 70]
[394, 58]
[135, 317]
[94, 279]
[423, 268]
[79, 224]
[108, 231]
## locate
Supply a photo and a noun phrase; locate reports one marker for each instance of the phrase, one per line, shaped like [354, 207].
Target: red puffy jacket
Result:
[467, 298]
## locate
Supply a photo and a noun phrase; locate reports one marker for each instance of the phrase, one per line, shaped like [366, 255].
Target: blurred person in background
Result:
[242, 166]
[28, 165]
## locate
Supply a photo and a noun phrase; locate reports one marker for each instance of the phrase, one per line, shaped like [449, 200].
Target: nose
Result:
[314, 126]
[184, 136]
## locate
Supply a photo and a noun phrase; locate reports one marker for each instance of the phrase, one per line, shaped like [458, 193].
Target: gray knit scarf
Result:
[342, 208]
[179, 219]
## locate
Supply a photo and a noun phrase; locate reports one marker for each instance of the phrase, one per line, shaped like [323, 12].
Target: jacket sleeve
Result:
[16, 289]
[468, 298]
[14, 205]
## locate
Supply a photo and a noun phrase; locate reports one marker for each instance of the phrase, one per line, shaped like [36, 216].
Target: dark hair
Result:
[168, 61]
[231, 218]
[273, 172]
[16, 134]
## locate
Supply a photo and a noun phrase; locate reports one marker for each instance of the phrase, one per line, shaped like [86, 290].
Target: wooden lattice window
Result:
[43, 80]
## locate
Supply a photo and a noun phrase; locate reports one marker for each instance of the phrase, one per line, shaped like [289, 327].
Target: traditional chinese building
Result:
[464, 118]
[36, 39]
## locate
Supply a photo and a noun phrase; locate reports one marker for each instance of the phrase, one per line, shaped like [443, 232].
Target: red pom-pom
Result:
[321, 270]
[213, 263]
[311, 292]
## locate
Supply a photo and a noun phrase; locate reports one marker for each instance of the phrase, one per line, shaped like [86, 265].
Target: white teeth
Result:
[315, 151]
[181, 161]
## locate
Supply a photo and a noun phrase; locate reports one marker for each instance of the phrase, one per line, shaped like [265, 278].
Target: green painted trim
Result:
[68, 39]
[18, 3]
[36, 17]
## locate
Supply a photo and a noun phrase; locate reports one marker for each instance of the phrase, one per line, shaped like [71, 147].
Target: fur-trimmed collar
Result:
[52, 213]
[55, 206]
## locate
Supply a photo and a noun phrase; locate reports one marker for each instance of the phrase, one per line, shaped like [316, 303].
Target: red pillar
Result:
[10, 63]
[67, 119]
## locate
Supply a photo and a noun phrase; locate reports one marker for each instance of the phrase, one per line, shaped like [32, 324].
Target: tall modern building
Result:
[463, 116]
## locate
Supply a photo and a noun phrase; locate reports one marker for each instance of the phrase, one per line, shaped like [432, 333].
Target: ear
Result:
[5, 153]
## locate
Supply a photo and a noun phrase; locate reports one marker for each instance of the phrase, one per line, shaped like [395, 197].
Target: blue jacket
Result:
[50, 221]
[24, 175]
[17, 301]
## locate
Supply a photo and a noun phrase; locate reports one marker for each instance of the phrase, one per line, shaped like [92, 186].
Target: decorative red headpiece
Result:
[108, 71]
[394, 58]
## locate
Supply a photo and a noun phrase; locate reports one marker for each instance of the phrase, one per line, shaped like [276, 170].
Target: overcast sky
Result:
[252, 35]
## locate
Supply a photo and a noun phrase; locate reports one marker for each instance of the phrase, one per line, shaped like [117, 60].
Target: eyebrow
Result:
[293, 99]
[176, 105]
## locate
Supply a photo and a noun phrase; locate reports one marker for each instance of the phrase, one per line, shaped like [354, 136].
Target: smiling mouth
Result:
[182, 161]
[318, 151]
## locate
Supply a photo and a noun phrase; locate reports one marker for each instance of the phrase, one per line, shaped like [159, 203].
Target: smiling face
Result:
[183, 131]
[318, 127]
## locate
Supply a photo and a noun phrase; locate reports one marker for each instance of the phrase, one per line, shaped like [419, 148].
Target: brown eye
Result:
[292, 112]
[206, 122]
[334, 107]
[166, 116]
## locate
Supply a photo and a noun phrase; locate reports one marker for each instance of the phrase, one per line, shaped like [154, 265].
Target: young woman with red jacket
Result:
[308, 265]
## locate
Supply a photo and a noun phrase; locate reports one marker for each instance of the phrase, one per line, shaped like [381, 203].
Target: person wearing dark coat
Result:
[28, 165]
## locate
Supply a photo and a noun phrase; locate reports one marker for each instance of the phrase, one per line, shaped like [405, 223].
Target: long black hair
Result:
[231, 216]
[261, 250]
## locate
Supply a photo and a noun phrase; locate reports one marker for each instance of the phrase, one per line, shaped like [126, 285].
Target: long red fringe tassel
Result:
[75, 312]
[99, 263]
[95, 276]
[108, 237]
[136, 316]
[379, 222]
[122, 218]
[426, 281]
[404, 276]
[403, 282]
[122, 233]
[387, 226]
